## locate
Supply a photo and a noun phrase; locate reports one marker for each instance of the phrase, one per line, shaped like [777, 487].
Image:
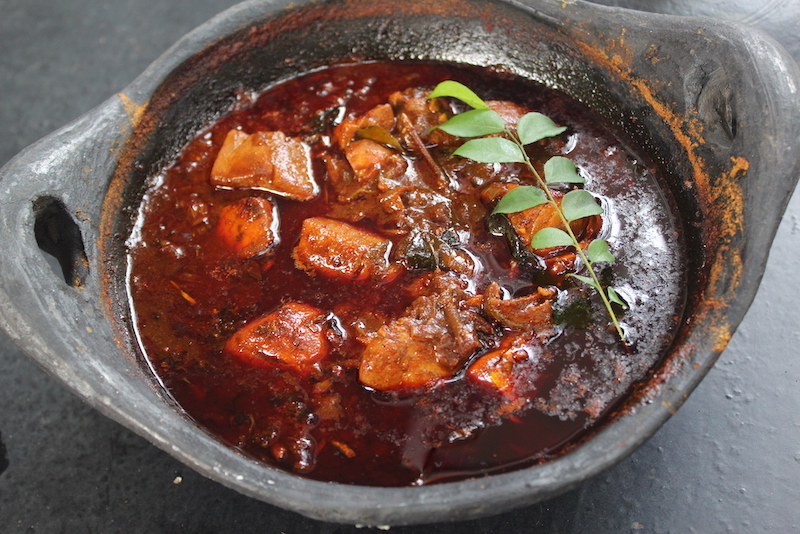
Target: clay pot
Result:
[714, 104]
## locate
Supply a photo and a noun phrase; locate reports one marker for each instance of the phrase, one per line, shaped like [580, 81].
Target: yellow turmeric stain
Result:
[740, 166]
[723, 337]
[696, 127]
[133, 109]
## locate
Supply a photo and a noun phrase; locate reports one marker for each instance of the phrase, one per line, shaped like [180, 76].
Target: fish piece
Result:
[338, 250]
[430, 342]
[533, 312]
[248, 227]
[292, 336]
[268, 161]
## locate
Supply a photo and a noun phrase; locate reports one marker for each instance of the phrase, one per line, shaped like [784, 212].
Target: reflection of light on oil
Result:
[648, 235]
[572, 142]
[612, 226]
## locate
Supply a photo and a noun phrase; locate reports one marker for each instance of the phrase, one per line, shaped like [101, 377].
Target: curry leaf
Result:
[614, 297]
[598, 251]
[551, 237]
[586, 280]
[474, 123]
[520, 198]
[510, 148]
[559, 169]
[578, 204]
[379, 134]
[534, 127]
[491, 150]
[456, 90]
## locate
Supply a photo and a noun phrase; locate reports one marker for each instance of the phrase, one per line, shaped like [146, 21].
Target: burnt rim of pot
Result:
[689, 109]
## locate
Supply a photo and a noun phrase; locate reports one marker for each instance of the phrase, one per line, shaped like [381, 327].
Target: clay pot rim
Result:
[73, 331]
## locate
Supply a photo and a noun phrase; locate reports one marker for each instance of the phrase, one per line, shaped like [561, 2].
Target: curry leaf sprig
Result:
[482, 121]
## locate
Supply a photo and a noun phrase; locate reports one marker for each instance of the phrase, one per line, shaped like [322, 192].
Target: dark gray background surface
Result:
[729, 461]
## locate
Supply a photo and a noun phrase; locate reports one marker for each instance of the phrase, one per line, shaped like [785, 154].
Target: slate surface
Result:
[729, 461]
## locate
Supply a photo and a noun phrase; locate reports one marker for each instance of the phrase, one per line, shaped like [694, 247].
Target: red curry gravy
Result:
[370, 322]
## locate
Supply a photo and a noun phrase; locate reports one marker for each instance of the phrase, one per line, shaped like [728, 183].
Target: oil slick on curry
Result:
[320, 281]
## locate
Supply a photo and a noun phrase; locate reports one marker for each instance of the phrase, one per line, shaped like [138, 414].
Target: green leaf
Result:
[574, 205]
[519, 199]
[559, 169]
[533, 127]
[459, 91]
[614, 297]
[379, 134]
[585, 279]
[598, 251]
[491, 150]
[474, 123]
[578, 204]
[551, 237]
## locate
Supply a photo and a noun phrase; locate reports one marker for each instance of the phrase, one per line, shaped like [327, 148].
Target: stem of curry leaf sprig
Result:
[575, 243]
[482, 121]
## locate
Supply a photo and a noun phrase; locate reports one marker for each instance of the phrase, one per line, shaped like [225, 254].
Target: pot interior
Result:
[276, 49]
[508, 40]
